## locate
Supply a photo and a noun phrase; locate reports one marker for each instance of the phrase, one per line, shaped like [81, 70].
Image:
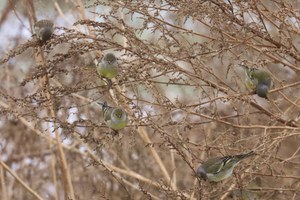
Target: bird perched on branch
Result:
[43, 29]
[220, 168]
[258, 81]
[108, 67]
[115, 118]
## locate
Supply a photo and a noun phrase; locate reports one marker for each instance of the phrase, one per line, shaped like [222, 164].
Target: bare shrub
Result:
[180, 82]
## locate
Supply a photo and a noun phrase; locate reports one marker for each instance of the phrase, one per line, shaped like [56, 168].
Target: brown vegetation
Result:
[180, 82]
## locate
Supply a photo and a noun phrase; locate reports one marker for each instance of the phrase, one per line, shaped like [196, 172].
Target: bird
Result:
[115, 118]
[220, 168]
[258, 81]
[43, 29]
[108, 67]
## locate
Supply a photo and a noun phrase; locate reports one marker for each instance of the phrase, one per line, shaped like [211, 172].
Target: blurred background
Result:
[179, 81]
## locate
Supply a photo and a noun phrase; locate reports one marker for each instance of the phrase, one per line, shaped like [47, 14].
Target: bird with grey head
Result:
[108, 67]
[258, 81]
[220, 168]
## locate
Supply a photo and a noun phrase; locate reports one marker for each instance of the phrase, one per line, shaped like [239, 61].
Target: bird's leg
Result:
[109, 83]
[115, 132]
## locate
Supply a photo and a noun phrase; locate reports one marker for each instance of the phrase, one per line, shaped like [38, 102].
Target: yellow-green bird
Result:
[258, 80]
[220, 168]
[108, 67]
[43, 29]
[115, 118]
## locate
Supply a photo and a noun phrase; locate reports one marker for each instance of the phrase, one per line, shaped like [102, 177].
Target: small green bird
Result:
[115, 118]
[43, 29]
[258, 80]
[220, 168]
[108, 67]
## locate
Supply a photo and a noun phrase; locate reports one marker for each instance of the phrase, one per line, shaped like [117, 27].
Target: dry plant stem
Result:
[224, 196]
[39, 56]
[277, 176]
[294, 154]
[56, 5]
[275, 58]
[142, 132]
[243, 126]
[65, 168]
[252, 45]
[53, 162]
[286, 86]
[134, 186]
[194, 187]
[19, 180]
[64, 165]
[3, 184]
[266, 112]
[295, 194]
[232, 38]
[174, 180]
[255, 31]
[80, 8]
[289, 109]
[144, 135]
[179, 59]
[289, 100]
[162, 22]
[126, 172]
[88, 154]
[44, 81]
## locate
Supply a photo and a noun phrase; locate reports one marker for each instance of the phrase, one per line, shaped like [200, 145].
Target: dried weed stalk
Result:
[181, 84]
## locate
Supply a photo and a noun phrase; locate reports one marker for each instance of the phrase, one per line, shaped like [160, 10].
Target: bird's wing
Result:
[215, 165]
[107, 114]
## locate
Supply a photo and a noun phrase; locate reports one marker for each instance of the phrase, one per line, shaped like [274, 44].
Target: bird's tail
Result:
[247, 69]
[104, 105]
[244, 66]
[242, 156]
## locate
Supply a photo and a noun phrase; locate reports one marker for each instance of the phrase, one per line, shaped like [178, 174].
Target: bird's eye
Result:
[118, 114]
